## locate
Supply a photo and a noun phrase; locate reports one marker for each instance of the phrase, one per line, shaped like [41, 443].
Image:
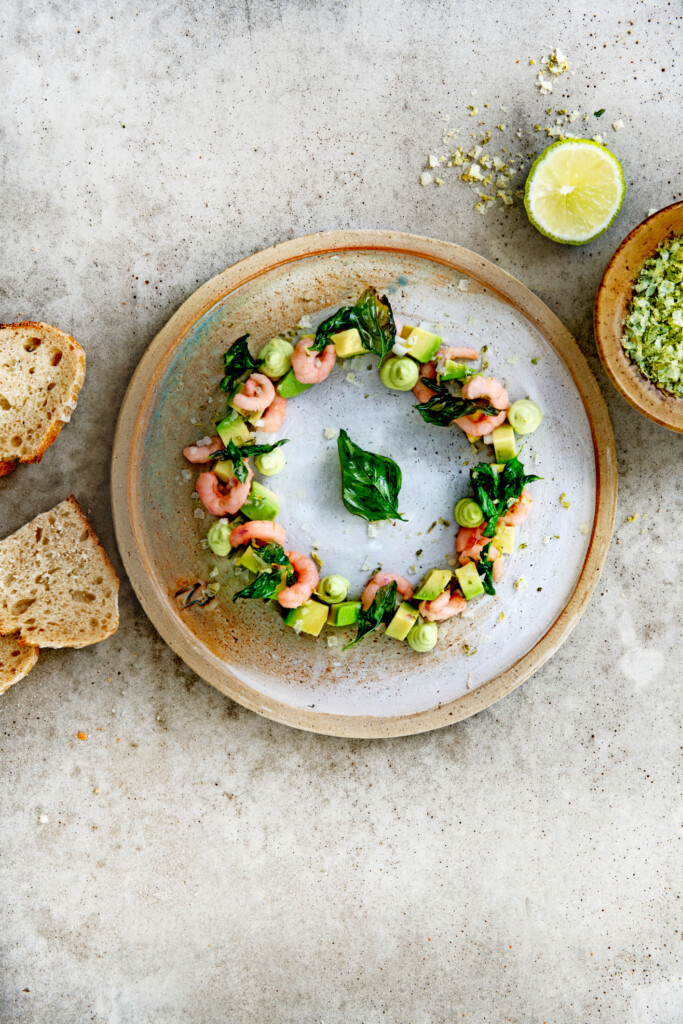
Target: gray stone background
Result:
[191, 861]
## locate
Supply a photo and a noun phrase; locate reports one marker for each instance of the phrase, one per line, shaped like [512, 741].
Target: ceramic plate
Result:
[381, 687]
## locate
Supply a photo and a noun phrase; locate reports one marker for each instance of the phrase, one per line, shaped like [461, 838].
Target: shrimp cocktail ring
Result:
[450, 392]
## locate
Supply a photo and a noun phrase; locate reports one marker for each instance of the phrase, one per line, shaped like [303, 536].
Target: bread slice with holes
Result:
[57, 586]
[41, 372]
[16, 661]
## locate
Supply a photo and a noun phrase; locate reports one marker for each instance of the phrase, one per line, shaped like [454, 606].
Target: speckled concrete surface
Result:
[190, 861]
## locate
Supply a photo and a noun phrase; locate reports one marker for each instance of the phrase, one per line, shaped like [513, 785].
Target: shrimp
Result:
[307, 579]
[520, 510]
[312, 367]
[258, 393]
[203, 452]
[258, 529]
[456, 352]
[445, 606]
[482, 425]
[428, 370]
[274, 416]
[498, 570]
[486, 387]
[422, 392]
[223, 499]
[404, 587]
[473, 554]
[399, 325]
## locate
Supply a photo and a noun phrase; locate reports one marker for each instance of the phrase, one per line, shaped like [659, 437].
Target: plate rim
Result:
[124, 490]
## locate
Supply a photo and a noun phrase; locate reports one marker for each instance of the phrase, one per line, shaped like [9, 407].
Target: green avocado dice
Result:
[402, 622]
[434, 583]
[224, 470]
[251, 561]
[421, 344]
[262, 503]
[233, 428]
[290, 387]
[344, 614]
[469, 581]
[504, 443]
[310, 617]
[348, 343]
[452, 370]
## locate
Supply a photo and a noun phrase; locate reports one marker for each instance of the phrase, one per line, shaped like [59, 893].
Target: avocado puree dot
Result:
[276, 358]
[334, 589]
[524, 416]
[468, 513]
[270, 463]
[400, 374]
[423, 636]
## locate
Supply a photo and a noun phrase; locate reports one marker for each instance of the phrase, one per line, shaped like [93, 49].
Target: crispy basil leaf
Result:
[238, 361]
[513, 480]
[444, 407]
[265, 585]
[370, 483]
[383, 602]
[497, 493]
[485, 569]
[236, 453]
[274, 554]
[371, 316]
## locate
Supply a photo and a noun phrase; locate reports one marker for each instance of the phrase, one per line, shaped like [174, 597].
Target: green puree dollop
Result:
[653, 330]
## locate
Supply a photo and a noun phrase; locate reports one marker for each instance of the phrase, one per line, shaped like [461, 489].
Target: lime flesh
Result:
[574, 191]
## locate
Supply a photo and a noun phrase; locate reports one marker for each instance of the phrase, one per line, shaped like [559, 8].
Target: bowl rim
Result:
[125, 492]
[625, 375]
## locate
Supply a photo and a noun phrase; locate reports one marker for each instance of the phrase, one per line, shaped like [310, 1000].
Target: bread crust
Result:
[54, 429]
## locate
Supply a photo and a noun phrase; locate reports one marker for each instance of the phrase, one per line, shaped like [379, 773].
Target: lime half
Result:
[574, 191]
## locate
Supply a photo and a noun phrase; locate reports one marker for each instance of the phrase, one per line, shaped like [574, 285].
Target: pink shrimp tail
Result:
[480, 427]
[307, 579]
[223, 499]
[312, 367]
[200, 453]
[257, 393]
[274, 416]
[263, 530]
[380, 579]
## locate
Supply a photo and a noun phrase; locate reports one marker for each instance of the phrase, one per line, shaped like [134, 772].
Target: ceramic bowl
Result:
[611, 307]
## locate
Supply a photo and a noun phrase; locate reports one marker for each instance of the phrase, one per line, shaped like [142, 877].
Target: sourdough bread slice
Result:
[16, 661]
[41, 372]
[57, 586]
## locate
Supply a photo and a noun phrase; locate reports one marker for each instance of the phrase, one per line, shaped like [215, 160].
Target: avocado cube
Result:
[504, 539]
[453, 371]
[251, 561]
[262, 503]
[421, 344]
[504, 443]
[402, 622]
[344, 614]
[224, 470]
[469, 581]
[348, 343]
[310, 617]
[434, 583]
[233, 428]
[290, 387]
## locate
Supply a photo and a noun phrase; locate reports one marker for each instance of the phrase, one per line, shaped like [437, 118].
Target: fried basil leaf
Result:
[236, 454]
[370, 483]
[238, 361]
[274, 554]
[496, 493]
[383, 602]
[265, 585]
[485, 569]
[371, 316]
[444, 407]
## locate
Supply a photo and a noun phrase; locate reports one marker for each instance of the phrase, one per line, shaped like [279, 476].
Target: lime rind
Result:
[541, 160]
